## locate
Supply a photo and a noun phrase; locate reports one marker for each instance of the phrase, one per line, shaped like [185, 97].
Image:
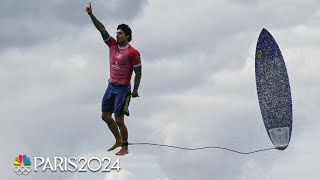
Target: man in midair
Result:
[124, 59]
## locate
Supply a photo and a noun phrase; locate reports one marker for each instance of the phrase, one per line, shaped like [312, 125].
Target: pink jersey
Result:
[122, 61]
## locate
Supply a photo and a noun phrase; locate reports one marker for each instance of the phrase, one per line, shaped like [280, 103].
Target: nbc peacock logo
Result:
[22, 165]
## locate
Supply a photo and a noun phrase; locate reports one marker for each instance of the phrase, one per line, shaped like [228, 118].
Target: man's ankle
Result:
[125, 144]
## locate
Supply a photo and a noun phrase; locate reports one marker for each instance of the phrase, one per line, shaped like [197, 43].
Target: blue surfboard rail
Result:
[273, 89]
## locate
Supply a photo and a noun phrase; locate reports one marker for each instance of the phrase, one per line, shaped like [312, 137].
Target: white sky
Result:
[198, 86]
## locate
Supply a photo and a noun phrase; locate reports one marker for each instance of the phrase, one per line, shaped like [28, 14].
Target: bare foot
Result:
[117, 144]
[123, 151]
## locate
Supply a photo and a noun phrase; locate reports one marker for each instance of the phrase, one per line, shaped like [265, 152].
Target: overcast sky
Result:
[198, 87]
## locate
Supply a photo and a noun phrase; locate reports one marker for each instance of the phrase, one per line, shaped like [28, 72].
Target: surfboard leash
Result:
[200, 148]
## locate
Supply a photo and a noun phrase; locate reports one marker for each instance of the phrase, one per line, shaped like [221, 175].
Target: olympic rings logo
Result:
[22, 170]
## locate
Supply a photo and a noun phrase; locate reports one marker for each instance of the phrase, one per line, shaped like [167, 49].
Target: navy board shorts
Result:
[116, 99]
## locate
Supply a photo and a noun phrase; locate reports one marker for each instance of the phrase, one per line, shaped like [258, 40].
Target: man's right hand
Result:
[89, 9]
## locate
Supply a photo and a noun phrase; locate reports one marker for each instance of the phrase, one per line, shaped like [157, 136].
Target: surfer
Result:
[124, 59]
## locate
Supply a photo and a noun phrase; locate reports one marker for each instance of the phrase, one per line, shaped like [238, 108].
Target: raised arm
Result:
[97, 23]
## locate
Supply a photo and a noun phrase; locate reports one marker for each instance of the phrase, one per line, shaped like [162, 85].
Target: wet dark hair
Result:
[127, 30]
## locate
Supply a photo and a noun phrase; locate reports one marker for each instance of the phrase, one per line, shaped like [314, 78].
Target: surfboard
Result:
[273, 89]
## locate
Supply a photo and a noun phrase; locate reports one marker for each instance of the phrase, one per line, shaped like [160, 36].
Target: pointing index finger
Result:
[90, 5]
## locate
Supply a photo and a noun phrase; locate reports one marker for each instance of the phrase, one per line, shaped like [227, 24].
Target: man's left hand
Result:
[135, 93]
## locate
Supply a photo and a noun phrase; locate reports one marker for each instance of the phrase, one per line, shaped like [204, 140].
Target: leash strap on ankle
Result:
[125, 144]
